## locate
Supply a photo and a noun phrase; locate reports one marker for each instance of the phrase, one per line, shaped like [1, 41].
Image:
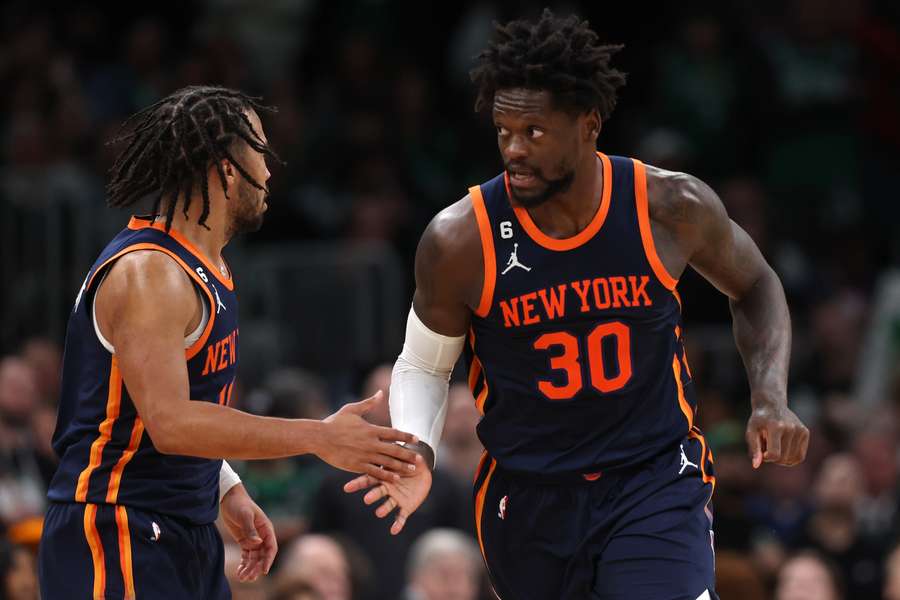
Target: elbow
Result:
[164, 434]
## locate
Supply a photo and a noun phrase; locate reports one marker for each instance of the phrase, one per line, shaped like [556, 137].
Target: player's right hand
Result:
[405, 495]
[353, 444]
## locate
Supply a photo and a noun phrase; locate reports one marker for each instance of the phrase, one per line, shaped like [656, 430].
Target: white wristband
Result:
[227, 479]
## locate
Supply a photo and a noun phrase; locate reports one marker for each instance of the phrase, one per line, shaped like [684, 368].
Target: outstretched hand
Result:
[353, 444]
[405, 495]
[776, 435]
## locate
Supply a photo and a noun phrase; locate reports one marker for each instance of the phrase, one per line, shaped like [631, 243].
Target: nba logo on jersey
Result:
[502, 512]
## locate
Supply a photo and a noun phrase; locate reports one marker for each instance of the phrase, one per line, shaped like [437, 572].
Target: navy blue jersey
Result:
[575, 352]
[106, 456]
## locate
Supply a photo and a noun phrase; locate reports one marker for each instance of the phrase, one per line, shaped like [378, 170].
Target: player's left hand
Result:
[252, 530]
[775, 434]
[405, 495]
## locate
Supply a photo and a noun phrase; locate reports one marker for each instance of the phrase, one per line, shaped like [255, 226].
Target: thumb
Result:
[248, 527]
[364, 406]
[754, 442]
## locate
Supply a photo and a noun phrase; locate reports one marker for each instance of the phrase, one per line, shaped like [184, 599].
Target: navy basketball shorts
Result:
[639, 534]
[101, 551]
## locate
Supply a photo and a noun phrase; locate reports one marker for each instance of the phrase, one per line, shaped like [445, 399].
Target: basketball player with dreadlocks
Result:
[149, 372]
[559, 277]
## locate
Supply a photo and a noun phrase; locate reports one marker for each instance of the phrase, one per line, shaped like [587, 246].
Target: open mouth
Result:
[522, 177]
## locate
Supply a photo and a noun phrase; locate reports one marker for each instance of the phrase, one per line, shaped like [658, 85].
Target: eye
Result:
[502, 130]
[534, 132]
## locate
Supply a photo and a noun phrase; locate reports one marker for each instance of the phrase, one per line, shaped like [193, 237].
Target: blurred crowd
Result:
[788, 109]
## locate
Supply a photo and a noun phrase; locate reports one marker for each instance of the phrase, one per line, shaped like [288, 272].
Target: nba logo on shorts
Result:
[502, 512]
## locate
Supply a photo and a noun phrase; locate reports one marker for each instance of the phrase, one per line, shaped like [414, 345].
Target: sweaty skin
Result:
[539, 144]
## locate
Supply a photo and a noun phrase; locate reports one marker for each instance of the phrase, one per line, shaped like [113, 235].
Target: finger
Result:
[399, 522]
[398, 451]
[360, 483]
[269, 549]
[755, 442]
[396, 466]
[395, 435]
[774, 433]
[790, 448]
[386, 508]
[364, 406]
[375, 494]
[804, 444]
[381, 474]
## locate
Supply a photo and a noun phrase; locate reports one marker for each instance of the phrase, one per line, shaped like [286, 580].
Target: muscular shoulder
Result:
[450, 251]
[682, 208]
[150, 282]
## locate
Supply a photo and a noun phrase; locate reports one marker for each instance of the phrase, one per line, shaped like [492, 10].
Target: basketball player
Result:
[596, 482]
[149, 370]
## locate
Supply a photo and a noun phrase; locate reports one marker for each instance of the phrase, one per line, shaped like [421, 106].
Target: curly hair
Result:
[560, 55]
[173, 143]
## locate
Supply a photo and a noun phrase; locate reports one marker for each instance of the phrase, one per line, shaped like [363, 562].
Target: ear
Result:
[230, 173]
[592, 125]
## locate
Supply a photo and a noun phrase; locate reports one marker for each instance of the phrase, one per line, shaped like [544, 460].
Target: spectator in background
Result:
[809, 576]
[460, 447]
[22, 488]
[877, 455]
[297, 591]
[834, 527]
[444, 564]
[319, 562]
[18, 577]
[737, 579]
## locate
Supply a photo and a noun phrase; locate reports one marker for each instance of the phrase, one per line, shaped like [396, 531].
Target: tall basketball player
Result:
[150, 360]
[559, 278]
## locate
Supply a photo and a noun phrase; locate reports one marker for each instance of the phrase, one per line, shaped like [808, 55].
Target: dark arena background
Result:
[789, 109]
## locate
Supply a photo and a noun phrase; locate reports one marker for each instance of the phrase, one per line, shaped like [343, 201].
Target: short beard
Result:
[245, 215]
[553, 187]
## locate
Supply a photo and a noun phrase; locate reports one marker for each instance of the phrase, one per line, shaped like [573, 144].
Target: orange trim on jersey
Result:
[96, 546]
[487, 250]
[583, 236]
[643, 211]
[192, 351]
[125, 552]
[694, 433]
[136, 224]
[682, 401]
[481, 461]
[115, 478]
[113, 404]
[479, 506]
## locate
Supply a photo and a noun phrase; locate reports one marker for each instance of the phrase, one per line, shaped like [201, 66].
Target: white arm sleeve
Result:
[419, 382]
[227, 479]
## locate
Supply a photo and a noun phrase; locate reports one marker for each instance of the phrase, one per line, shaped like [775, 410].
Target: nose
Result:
[516, 148]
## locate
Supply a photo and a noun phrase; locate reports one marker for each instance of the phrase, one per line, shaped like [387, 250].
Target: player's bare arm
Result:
[144, 307]
[690, 227]
[449, 270]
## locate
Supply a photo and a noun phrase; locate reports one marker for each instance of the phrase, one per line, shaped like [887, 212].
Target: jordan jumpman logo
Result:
[685, 463]
[219, 305]
[514, 261]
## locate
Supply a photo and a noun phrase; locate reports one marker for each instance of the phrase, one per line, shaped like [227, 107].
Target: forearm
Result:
[207, 430]
[762, 331]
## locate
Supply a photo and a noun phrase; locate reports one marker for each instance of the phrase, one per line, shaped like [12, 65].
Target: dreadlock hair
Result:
[559, 55]
[172, 144]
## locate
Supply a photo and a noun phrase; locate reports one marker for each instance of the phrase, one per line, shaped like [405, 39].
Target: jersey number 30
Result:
[570, 360]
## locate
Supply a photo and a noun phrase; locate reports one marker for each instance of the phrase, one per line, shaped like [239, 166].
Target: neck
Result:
[209, 239]
[568, 213]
